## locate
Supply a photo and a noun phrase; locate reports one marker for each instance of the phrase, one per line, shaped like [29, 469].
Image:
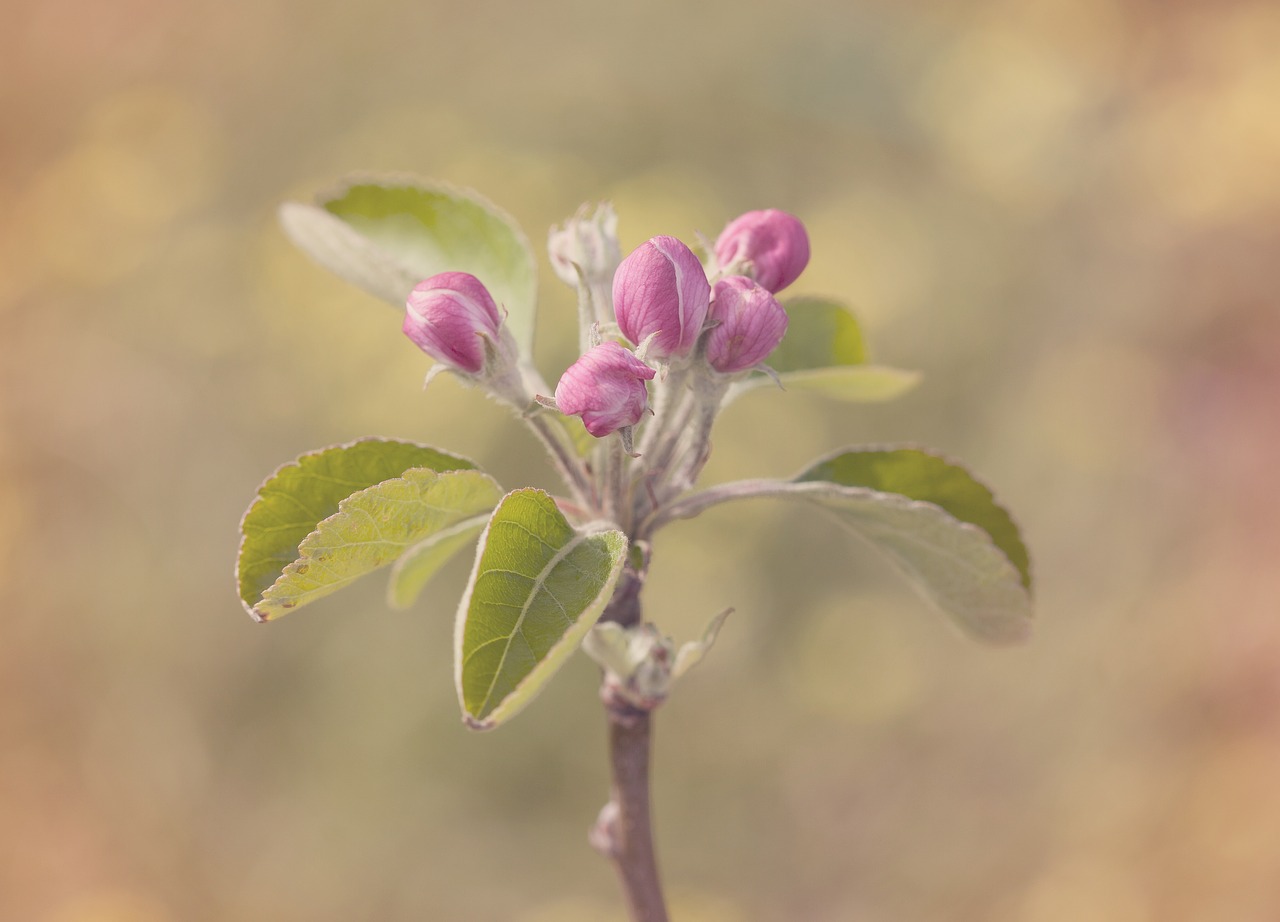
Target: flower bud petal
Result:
[771, 246]
[606, 388]
[661, 288]
[447, 315]
[588, 241]
[751, 324]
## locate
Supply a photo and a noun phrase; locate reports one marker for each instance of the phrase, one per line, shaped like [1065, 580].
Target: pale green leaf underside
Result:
[852, 383]
[411, 573]
[932, 519]
[953, 563]
[537, 587]
[374, 527]
[921, 475]
[301, 494]
[386, 234]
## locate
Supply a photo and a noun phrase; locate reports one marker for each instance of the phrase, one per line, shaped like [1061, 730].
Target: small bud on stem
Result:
[750, 325]
[770, 246]
[661, 290]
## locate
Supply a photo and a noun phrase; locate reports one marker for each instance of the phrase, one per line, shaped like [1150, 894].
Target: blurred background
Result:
[1065, 213]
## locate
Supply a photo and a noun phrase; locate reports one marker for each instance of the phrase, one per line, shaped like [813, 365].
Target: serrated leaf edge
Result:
[303, 558]
[297, 462]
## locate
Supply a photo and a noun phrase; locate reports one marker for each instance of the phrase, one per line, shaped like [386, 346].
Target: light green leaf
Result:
[537, 587]
[932, 519]
[854, 383]
[386, 234]
[820, 334]
[372, 528]
[954, 564]
[411, 573]
[693, 652]
[824, 352]
[941, 526]
[921, 475]
[301, 494]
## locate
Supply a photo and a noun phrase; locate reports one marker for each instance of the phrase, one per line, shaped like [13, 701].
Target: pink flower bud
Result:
[606, 388]
[661, 288]
[447, 317]
[751, 325]
[770, 246]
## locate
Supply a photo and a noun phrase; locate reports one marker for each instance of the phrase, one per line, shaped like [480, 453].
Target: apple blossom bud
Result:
[587, 241]
[606, 388]
[751, 324]
[770, 246]
[448, 316]
[661, 288]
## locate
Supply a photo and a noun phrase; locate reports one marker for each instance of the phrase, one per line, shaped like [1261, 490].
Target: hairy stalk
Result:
[685, 455]
[566, 462]
[612, 487]
[678, 421]
[666, 401]
[588, 313]
[697, 449]
[663, 442]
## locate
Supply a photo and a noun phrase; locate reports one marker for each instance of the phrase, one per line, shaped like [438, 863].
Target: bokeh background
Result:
[1064, 212]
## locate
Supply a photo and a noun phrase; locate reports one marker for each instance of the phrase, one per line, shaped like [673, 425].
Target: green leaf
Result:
[301, 494]
[374, 527]
[386, 234]
[820, 334]
[694, 651]
[824, 352]
[929, 478]
[941, 526]
[853, 383]
[932, 519]
[537, 587]
[954, 564]
[411, 573]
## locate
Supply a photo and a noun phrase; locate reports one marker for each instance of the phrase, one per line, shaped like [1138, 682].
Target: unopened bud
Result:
[751, 324]
[589, 242]
[606, 388]
[662, 289]
[770, 246]
[449, 316]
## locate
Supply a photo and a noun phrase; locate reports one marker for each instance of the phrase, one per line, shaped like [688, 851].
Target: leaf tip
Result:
[473, 723]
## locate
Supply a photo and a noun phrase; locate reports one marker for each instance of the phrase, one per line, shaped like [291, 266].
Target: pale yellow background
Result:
[1064, 213]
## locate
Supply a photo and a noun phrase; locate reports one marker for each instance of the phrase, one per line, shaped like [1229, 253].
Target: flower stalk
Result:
[659, 312]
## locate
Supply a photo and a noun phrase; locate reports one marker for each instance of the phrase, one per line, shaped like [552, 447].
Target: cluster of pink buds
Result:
[702, 325]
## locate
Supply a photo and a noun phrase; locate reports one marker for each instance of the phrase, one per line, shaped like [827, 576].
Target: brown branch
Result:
[623, 832]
